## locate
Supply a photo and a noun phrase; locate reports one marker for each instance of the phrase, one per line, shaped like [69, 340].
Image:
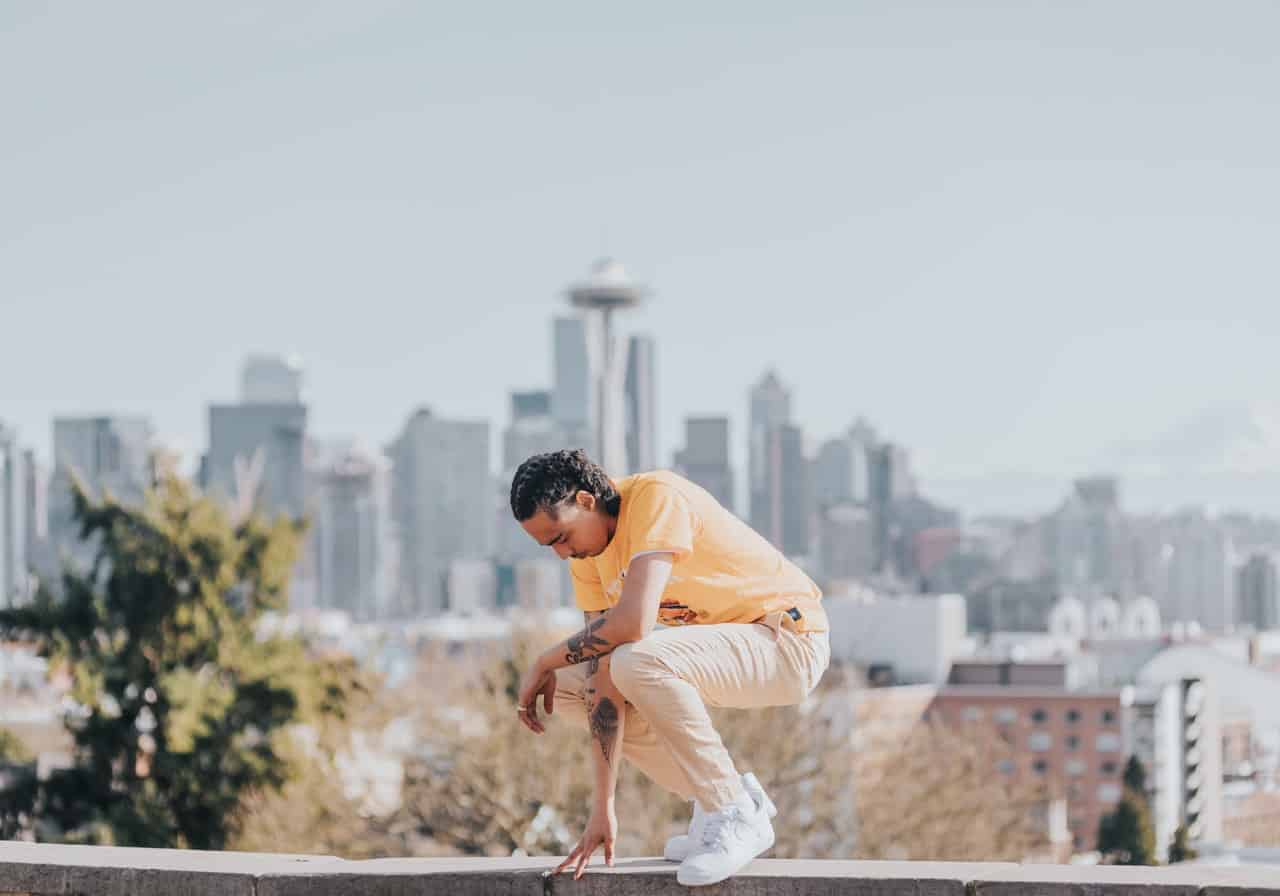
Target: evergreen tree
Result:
[1125, 835]
[182, 696]
[1135, 776]
[1180, 850]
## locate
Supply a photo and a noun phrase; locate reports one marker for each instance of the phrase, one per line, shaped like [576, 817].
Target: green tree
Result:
[183, 696]
[1125, 835]
[1135, 776]
[1180, 850]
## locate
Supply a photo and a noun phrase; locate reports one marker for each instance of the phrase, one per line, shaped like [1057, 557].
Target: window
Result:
[971, 713]
[1039, 716]
[1040, 767]
[1108, 717]
[1109, 767]
[1040, 741]
[1073, 742]
[1108, 793]
[1073, 716]
[1006, 766]
[1006, 714]
[1108, 743]
[1075, 766]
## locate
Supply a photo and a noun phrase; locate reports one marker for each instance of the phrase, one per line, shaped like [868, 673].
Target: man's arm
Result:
[605, 718]
[630, 620]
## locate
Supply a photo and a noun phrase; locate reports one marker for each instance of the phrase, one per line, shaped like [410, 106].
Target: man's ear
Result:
[585, 500]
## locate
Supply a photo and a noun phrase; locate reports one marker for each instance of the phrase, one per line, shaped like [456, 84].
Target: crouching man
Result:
[741, 626]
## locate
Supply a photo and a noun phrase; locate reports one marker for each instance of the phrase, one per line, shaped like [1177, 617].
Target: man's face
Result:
[578, 529]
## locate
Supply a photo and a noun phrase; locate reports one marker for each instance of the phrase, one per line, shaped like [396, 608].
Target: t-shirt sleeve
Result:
[660, 519]
[588, 593]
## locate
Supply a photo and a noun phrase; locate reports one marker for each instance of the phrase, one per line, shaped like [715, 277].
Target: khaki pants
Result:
[672, 676]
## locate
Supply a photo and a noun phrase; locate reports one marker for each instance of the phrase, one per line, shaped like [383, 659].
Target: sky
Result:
[1008, 234]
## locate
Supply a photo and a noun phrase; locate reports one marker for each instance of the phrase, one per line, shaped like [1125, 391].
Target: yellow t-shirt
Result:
[723, 570]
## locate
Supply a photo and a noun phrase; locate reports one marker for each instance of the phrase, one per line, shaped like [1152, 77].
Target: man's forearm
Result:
[605, 719]
[599, 637]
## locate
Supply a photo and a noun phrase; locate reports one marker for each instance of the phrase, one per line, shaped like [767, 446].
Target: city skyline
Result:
[1015, 297]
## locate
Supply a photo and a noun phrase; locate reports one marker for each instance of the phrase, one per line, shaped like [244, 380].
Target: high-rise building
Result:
[705, 457]
[351, 522]
[14, 572]
[640, 389]
[607, 290]
[846, 542]
[770, 407]
[1089, 538]
[571, 401]
[269, 379]
[1193, 581]
[533, 429]
[258, 449]
[787, 495]
[889, 481]
[441, 505]
[1258, 598]
[107, 454]
[36, 511]
[841, 471]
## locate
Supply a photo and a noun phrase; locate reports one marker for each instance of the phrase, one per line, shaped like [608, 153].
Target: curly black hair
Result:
[544, 481]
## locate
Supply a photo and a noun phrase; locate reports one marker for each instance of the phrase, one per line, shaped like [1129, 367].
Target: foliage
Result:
[183, 699]
[1125, 835]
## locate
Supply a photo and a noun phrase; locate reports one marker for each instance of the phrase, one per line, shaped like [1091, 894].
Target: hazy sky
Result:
[1007, 234]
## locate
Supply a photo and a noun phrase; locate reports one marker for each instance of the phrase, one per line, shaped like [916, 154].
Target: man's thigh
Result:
[732, 664]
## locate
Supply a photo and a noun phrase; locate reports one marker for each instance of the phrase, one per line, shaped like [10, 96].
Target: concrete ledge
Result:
[46, 870]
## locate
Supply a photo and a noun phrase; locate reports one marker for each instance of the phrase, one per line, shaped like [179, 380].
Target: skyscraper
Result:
[36, 512]
[770, 403]
[269, 379]
[108, 454]
[258, 448]
[351, 522]
[1258, 598]
[841, 471]
[705, 456]
[14, 573]
[441, 505]
[641, 402]
[607, 290]
[1193, 580]
[533, 429]
[1089, 538]
[571, 404]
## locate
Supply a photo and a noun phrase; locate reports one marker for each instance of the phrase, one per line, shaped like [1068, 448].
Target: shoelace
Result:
[717, 822]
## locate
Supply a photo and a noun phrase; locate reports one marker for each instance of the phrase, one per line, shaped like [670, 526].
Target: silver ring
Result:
[522, 709]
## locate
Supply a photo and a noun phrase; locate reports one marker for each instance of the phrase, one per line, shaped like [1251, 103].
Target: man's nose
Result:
[561, 549]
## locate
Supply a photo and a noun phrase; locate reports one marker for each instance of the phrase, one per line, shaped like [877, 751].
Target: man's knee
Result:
[631, 664]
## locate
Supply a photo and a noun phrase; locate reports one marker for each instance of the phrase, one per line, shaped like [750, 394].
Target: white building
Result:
[918, 636]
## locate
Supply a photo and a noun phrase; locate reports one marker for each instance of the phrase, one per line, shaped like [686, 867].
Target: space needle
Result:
[607, 289]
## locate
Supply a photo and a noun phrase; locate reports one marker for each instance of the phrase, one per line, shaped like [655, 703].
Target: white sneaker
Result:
[730, 839]
[679, 846]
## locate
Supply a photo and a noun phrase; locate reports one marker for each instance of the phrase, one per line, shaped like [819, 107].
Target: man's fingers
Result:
[608, 852]
[568, 859]
[548, 697]
[582, 862]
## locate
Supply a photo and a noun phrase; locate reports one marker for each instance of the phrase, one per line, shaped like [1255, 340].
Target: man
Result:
[741, 626]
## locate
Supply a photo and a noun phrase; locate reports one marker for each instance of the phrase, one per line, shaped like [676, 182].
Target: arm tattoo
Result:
[586, 643]
[604, 725]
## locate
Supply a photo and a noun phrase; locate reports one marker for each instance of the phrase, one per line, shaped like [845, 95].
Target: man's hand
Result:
[602, 830]
[538, 680]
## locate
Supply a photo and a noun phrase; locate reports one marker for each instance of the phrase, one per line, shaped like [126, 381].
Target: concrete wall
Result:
[93, 870]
